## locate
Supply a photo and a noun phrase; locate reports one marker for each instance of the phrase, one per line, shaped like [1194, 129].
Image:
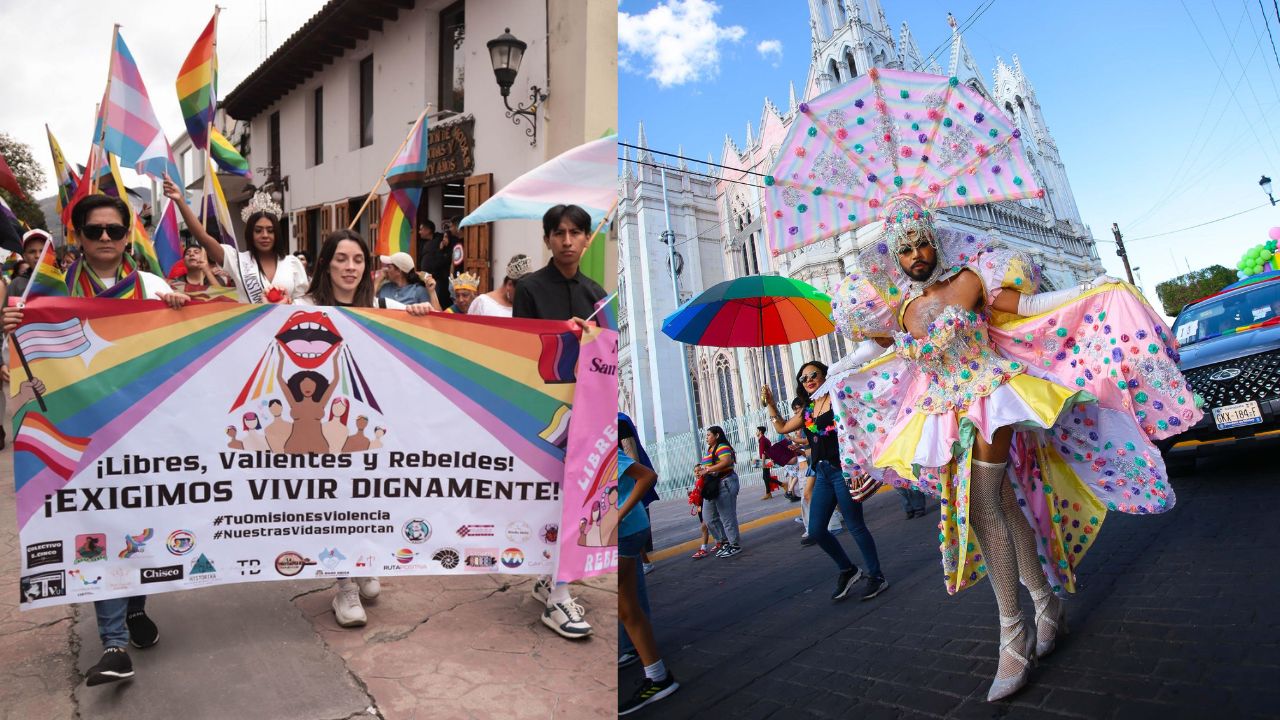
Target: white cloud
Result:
[679, 40]
[770, 50]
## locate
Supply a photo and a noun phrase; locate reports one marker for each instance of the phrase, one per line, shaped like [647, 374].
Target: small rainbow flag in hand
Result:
[47, 279]
[396, 229]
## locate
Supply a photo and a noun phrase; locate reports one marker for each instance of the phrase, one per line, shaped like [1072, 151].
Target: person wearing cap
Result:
[463, 287]
[497, 302]
[32, 243]
[402, 284]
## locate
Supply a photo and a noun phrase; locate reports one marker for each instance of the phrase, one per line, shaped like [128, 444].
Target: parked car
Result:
[1230, 348]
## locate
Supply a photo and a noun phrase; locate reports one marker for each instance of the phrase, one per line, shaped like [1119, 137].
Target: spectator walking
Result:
[634, 480]
[912, 502]
[770, 484]
[720, 491]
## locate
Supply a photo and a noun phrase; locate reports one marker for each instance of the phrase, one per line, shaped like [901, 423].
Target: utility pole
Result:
[670, 239]
[1115, 230]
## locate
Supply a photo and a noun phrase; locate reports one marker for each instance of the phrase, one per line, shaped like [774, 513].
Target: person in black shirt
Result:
[560, 291]
[435, 256]
[829, 488]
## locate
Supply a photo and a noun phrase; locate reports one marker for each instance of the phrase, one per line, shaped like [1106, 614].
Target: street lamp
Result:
[505, 53]
[1265, 183]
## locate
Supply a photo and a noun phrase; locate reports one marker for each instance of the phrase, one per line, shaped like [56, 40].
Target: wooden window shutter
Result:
[326, 220]
[374, 213]
[475, 239]
[303, 232]
[342, 215]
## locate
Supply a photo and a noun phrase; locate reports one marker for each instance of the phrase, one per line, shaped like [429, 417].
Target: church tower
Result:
[847, 37]
[1013, 94]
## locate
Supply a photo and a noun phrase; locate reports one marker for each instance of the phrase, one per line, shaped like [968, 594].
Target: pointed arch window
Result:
[853, 67]
[724, 379]
[775, 376]
[833, 70]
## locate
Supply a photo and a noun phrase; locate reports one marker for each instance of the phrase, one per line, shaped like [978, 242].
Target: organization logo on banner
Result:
[330, 560]
[249, 567]
[482, 559]
[512, 558]
[181, 542]
[448, 558]
[45, 553]
[404, 556]
[417, 531]
[550, 534]
[87, 586]
[290, 563]
[518, 532]
[367, 562]
[42, 586]
[136, 544]
[475, 531]
[168, 573]
[202, 569]
[91, 548]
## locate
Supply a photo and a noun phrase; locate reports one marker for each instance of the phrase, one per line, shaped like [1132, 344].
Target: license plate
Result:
[1230, 416]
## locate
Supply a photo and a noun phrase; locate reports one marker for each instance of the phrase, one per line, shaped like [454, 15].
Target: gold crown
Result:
[261, 202]
[464, 281]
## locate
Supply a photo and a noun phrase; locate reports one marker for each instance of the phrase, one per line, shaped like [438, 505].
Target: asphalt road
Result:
[1175, 617]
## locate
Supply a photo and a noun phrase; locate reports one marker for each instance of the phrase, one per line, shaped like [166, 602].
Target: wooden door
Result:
[300, 232]
[475, 239]
[326, 221]
[341, 215]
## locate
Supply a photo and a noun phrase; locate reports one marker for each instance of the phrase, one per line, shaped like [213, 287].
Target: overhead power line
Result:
[1193, 227]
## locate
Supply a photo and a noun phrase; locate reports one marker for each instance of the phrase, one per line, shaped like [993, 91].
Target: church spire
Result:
[643, 155]
[680, 154]
[962, 66]
[791, 100]
[908, 50]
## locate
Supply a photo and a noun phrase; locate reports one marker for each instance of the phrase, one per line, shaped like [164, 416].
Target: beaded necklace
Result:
[811, 422]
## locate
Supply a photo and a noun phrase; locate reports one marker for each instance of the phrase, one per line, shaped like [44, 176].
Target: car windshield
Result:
[1229, 314]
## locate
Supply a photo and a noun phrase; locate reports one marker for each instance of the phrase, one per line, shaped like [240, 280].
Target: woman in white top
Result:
[343, 279]
[266, 272]
[497, 302]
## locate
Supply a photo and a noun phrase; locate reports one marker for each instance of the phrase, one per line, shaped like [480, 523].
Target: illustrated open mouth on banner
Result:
[227, 443]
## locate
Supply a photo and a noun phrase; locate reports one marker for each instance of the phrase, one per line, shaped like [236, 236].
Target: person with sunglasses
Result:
[105, 269]
[817, 418]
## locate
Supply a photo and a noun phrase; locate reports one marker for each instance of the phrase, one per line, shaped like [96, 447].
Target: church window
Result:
[833, 70]
[853, 67]
[724, 378]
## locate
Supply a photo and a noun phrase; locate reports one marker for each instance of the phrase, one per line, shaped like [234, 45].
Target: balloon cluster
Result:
[1260, 258]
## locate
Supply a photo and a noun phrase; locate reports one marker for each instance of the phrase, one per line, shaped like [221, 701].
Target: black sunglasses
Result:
[115, 231]
[810, 376]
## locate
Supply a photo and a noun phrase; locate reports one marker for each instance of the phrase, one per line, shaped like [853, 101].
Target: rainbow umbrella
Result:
[752, 311]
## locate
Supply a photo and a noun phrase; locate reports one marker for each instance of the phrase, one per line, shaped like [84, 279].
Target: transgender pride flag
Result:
[59, 451]
[132, 131]
[586, 176]
[69, 338]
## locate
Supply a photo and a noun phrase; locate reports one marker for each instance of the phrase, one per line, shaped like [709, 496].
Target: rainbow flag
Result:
[8, 181]
[215, 207]
[396, 229]
[606, 312]
[132, 130]
[197, 85]
[226, 155]
[62, 173]
[59, 451]
[46, 278]
[167, 243]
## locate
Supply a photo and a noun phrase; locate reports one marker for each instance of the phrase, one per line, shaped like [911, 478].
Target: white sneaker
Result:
[566, 619]
[648, 568]
[346, 606]
[370, 587]
[542, 589]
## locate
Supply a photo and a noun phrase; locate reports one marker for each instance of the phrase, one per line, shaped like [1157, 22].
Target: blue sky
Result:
[1164, 112]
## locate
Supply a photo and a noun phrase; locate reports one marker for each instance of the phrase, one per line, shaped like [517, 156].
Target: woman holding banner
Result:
[342, 279]
[266, 272]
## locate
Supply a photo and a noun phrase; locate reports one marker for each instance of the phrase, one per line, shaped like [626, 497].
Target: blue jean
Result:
[829, 490]
[630, 546]
[722, 513]
[111, 616]
[912, 499]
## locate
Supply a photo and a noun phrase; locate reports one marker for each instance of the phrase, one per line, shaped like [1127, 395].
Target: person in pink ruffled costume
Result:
[1028, 415]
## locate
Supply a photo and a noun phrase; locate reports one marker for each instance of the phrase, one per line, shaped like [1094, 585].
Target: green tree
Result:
[30, 179]
[1176, 293]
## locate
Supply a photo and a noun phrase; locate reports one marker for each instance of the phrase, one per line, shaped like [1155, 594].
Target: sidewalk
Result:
[1174, 618]
[435, 647]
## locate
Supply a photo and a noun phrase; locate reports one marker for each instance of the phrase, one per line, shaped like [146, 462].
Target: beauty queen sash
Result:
[251, 287]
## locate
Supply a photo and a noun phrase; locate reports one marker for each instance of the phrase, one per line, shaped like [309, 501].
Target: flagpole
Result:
[106, 98]
[17, 344]
[213, 109]
[373, 190]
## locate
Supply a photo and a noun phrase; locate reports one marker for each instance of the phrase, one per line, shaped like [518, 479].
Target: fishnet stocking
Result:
[991, 522]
